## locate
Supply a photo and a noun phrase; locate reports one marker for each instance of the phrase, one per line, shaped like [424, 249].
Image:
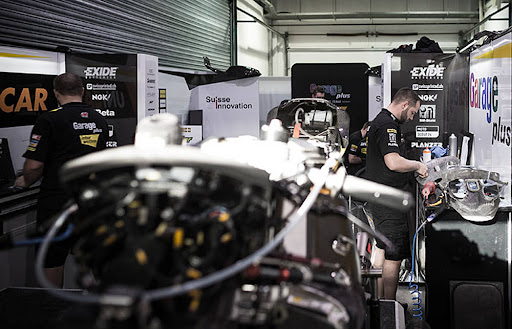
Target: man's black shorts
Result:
[57, 251]
[394, 226]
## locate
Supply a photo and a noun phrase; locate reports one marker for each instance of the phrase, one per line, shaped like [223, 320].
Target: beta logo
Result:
[106, 112]
[100, 72]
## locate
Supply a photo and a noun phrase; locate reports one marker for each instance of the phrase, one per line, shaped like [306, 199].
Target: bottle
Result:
[427, 156]
[452, 142]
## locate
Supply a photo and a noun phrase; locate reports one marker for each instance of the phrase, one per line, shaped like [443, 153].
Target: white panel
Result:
[147, 86]
[178, 94]
[20, 60]
[490, 108]
[253, 39]
[230, 108]
[273, 90]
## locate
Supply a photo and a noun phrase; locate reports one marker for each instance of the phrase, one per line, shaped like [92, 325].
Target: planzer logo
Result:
[224, 103]
[428, 72]
[427, 113]
[428, 98]
[422, 145]
[101, 72]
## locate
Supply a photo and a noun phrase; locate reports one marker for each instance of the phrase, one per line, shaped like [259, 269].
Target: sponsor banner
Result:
[346, 85]
[192, 134]
[427, 131]
[427, 74]
[110, 88]
[23, 97]
[230, 108]
[110, 82]
[147, 86]
[490, 108]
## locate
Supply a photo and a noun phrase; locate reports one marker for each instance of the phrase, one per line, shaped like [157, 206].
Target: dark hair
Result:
[68, 84]
[406, 94]
[318, 89]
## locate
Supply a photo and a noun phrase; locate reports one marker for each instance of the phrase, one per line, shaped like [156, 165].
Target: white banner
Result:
[230, 108]
[147, 86]
[490, 108]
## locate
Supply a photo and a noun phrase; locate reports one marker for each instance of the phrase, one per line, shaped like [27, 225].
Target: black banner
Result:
[441, 86]
[110, 83]
[23, 97]
[345, 85]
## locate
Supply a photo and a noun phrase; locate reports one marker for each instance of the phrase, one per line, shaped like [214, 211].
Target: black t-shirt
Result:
[357, 147]
[71, 131]
[384, 136]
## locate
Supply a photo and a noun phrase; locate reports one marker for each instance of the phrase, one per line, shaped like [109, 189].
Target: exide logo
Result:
[100, 72]
[427, 72]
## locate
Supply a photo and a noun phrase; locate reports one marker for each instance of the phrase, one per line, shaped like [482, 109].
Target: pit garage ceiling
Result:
[463, 11]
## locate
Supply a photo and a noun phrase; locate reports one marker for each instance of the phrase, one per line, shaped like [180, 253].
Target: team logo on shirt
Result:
[392, 138]
[84, 115]
[34, 141]
[353, 148]
[90, 140]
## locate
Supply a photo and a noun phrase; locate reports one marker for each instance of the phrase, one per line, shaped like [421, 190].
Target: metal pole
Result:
[233, 37]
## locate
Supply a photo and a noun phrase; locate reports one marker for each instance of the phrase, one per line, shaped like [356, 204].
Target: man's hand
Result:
[422, 170]
[20, 182]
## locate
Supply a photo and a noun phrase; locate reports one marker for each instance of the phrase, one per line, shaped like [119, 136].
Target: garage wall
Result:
[178, 32]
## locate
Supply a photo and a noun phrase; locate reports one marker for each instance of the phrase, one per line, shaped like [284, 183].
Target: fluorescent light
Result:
[472, 43]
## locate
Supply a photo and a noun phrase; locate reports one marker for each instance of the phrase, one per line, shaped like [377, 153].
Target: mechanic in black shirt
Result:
[357, 150]
[72, 130]
[318, 92]
[385, 164]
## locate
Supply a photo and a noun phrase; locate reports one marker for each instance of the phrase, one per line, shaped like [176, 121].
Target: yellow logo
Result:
[90, 140]
[392, 131]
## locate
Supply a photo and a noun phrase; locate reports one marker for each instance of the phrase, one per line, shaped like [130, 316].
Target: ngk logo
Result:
[428, 98]
[100, 97]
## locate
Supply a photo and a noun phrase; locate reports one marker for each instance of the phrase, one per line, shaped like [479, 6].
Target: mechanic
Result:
[385, 164]
[68, 132]
[357, 150]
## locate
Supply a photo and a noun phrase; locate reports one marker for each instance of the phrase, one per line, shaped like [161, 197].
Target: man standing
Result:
[386, 165]
[357, 150]
[71, 131]
[318, 92]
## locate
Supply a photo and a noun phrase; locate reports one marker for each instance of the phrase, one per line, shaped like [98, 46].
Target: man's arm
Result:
[354, 159]
[397, 163]
[32, 171]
